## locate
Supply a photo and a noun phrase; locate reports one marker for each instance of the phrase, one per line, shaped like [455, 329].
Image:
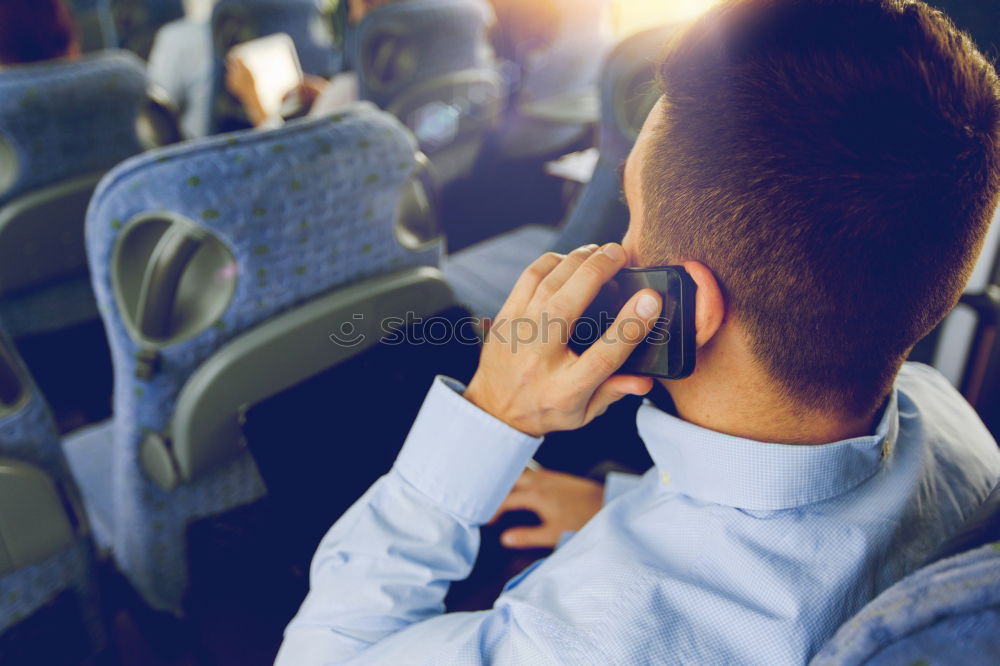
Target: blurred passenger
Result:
[180, 63]
[36, 30]
[315, 95]
[825, 171]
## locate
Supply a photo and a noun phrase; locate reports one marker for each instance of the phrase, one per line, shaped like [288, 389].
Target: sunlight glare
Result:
[631, 16]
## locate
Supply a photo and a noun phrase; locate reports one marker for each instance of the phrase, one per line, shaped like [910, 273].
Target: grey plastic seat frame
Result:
[34, 520]
[59, 209]
[205, 429]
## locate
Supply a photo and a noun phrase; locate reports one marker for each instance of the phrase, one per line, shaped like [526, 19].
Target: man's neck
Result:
[754, 412]
[731, 394]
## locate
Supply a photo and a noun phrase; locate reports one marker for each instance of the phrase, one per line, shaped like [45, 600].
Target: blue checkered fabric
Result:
[303, 209]
[69, 118]
[237, 21]
[29, 434]
[439, 36]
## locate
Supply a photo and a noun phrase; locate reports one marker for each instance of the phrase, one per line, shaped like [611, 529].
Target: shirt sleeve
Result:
[388, 562]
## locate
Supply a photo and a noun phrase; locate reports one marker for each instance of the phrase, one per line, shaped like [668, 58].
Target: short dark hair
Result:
[35, 30]
[835, 163]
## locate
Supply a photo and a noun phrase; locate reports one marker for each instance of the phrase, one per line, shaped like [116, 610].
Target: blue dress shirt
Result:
[729, 551]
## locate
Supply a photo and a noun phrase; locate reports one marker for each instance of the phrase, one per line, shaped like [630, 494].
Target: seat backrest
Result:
[428, 63]
[62, 124]
[628, 92]
[134, 23]
[43, 549]
[191, 246]
[237, 21]
[947, 612]
[401, 45]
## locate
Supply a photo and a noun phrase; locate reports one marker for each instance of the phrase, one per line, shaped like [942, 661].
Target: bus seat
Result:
[428, 63]
[484, 274]
[62, 125]
[237, 21]
[45, 556]
[560, 76]
[192, 247]
[947, 612]
[132, 24]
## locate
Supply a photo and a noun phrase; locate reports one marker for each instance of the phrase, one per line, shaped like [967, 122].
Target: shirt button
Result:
[665, 479]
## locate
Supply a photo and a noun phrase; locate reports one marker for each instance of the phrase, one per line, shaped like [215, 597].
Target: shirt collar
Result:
[760, 476]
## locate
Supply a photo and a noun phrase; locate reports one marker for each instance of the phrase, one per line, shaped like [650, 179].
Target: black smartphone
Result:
[668, 351]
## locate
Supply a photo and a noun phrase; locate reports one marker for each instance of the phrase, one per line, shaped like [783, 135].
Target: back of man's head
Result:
[836, 164]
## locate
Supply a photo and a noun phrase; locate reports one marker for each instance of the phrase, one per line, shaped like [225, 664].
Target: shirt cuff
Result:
[460, 457]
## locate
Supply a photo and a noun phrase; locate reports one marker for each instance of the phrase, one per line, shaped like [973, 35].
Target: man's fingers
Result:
[613, 390]
[631, 327]
[530, 537]
[559, 275]
[633, 324]
[580, 290]
[517, 500]
[526, 285]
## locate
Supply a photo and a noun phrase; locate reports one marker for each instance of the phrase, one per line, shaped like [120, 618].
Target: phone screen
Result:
[274, 64]
[669, 350]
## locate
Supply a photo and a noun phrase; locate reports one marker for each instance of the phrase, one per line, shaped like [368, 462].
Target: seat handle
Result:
[162, 278]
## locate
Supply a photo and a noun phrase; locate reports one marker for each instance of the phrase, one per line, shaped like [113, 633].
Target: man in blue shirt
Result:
[825, 170]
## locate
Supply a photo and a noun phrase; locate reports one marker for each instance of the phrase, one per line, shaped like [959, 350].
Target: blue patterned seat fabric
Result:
[69, 118]
[132, 24]
[237, 21]
[64, 119]
[29, 434]
[303, 210]
[483, 275]
[947, 613]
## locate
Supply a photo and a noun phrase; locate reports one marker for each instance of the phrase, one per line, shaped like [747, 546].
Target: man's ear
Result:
[710, 306]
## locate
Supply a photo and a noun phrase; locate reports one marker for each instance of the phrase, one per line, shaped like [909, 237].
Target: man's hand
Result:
[564, 503]
[528, 377]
